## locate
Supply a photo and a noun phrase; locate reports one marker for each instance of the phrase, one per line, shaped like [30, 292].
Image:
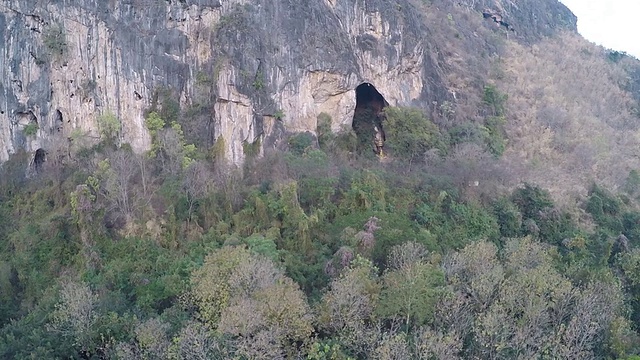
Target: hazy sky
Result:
[614, 24]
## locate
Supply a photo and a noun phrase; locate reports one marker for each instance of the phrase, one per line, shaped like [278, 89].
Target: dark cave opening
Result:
[38, 159]
[58, 121]
[368, 118]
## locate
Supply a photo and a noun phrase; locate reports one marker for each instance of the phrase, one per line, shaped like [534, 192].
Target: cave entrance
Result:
[38, 159]
[368, 118]
[57, 120]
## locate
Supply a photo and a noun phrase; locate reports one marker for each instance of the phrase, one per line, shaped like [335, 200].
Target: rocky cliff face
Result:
[253, 68]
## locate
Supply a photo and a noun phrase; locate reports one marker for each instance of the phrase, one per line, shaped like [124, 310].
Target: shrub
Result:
[299, 143]
[279, 114]
[495, 138]
[109, 127]
[531, 200]
[410, 134]
[323, 130]
[54, 38]
[494, 100]
[30, 129]
[251, 149]
[605, 209]
[467, 132]
[508, 216]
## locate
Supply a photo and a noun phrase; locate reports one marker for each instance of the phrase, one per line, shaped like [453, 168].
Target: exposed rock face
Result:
[269, 65]
[531, 19]
[110, 57]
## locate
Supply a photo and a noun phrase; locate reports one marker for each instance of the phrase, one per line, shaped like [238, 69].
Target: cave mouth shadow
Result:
[38, 159]
[368, 118]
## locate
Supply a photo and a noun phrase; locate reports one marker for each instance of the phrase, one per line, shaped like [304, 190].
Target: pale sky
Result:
[614, 24]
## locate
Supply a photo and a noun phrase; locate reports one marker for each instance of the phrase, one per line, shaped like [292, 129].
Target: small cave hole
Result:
[368, 118]
[38, 159]
[58, 121]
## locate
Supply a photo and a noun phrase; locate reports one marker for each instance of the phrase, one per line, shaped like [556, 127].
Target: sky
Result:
[614, 24]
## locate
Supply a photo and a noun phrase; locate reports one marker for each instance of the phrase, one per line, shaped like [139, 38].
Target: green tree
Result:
[300, 143]
[431, 344]
[316, 179]
[346, 311]
[410, 134]
[392, 347]
[530, 307]
[244, 296]
[323, 130]
[168, 144]
[410, 290]
[495, 137]
[151, 341]
[476, 271]
[210, 287]
[494, 100]
[630, 265]
[632, 183]
[606, 209]
[195, 341]
[530, 200]
[367, 191]
[109, 127]
[268, 322]
[508, 216]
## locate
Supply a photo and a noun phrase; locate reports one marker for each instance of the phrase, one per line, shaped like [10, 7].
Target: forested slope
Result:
[319, 251]
[499, 221]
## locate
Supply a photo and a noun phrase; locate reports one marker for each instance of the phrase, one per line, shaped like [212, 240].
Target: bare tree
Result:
[195, 342]
[475, 272]
[430, 344]
[347, 308]
[597, 307]
[75, 315]
[116, 174]
[197, 183]
[151, 341]
[406, 254]
[248, 299]
[392, 346]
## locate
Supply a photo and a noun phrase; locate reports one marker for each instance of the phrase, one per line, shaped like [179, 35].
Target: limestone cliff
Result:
[258, 67]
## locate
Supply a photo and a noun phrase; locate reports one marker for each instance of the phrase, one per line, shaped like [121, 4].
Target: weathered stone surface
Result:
[272, 65]
[531, 19]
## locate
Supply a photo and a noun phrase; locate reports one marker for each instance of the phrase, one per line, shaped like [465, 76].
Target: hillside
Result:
[572, 107]
[339, 179]
[67, 64]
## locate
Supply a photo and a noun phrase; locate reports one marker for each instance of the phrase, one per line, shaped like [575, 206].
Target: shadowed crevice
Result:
[368, 118]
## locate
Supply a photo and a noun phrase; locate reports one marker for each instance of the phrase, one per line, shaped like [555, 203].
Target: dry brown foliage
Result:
[569, 119]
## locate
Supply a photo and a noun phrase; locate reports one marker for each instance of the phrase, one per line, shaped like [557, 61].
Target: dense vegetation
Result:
[504, 225]
[314, 251]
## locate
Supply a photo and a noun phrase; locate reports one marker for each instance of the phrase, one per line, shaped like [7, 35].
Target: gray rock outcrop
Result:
[264, 66]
